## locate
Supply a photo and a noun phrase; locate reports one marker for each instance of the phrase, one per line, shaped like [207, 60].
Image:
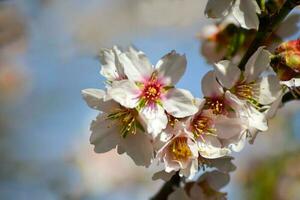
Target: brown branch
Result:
[267, 25]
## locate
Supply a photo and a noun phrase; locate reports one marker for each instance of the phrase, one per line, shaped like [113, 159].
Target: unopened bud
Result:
[291, 60]
[293, 45]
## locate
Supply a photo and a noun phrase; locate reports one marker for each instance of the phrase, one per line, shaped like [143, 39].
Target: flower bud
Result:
[291, 59]
[286, 61]
[293, 45]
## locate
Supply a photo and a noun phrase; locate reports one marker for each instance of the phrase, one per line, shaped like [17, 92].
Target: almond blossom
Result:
[216, 134]
[111, 66]
[180, 152]
[151, 90]
[249, 92]
[117, 126]
[244, 11]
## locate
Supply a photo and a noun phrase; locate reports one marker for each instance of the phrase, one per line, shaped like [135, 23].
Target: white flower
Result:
[111, 66]
[151, 89]
[244, 11]
[180, 152]
[249, 92]
[215, 134]
[119, 127]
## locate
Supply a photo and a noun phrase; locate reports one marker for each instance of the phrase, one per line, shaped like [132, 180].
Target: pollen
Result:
[180, 149]
[201, 126]
[152, 90]
[127, 120]
[246, 90]
[216, 105]
[172, 120]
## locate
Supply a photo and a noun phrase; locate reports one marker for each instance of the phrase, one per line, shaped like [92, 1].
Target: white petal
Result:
[178, 194]
[171, 67]
[228, 127]
[139, 148]
[111, 68]
[218, 8]
[227, 73]
[294, 82]
[223, 164]
[271, 112]
[237, 147]
[179, 103]
[124, 92]
[256, 119]
[257, 63]
[246, 13]
[105, 134]
[163, 175]
[210, 85]
[190, 171]
[95, 99]
[211, 148]
[155, 118]
[269, 89]
[137, 66]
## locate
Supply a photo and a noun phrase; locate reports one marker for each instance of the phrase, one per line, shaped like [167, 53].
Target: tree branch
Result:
[267, 25]
[167, 188]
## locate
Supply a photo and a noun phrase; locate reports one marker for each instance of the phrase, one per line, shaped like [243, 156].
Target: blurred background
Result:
[48, 51]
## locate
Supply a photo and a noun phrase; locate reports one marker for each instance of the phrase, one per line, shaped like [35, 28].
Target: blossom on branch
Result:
[244, 11]
[151, 89]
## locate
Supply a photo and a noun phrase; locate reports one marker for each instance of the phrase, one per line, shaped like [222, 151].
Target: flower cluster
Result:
[146, 116]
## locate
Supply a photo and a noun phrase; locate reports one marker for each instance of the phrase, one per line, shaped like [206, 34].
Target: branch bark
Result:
[268, 24]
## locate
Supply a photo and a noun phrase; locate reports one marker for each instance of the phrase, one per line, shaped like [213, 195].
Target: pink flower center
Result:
[152, 90]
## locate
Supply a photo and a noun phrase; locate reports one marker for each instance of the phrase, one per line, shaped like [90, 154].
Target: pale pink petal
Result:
[211, 148]
[124, 92]
[179, 103]
[155, 118]
[105, 134]
[210, 85]
[269, 89]
[218, 8]
[95, 99]
[171, 67]
[227, 73]
[245, 13]
[139, 148]
[137, 66]
[257, 63]
[111, 68]
[228, 127]
[163, 175]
